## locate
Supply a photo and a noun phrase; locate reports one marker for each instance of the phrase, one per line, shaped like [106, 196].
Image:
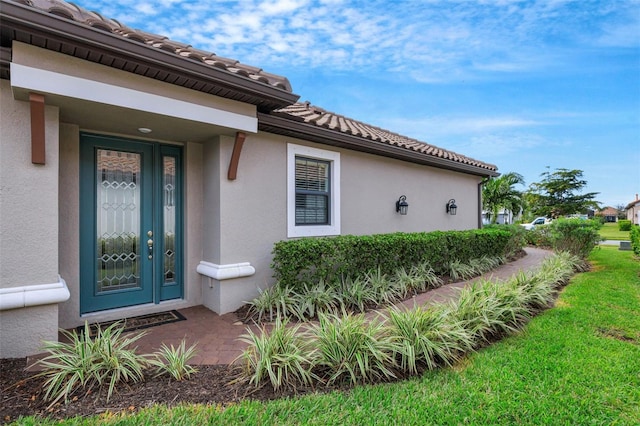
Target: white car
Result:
[537, 221]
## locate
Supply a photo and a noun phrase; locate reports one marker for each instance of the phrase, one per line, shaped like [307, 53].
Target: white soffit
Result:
[48, 82]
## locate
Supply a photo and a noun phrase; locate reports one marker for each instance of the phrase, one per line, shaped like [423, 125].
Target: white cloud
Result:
[448, 126]
[426, 41]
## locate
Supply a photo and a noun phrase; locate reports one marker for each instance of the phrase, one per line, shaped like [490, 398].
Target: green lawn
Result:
[609, 231]
[575, 364]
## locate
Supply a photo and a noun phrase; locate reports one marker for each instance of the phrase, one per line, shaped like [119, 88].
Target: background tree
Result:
[622, 211]
[499, 193]
[558, 194]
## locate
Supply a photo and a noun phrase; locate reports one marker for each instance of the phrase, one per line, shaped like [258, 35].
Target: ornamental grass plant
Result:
[357, 294]
[85, 362]
[427, 337]
[277, 301]
[353, 349]
[282, 357]
[426, 277]
[316, 299]
[174, 361]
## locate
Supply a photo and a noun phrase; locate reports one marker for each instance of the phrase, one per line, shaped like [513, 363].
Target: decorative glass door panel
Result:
[118, 220]
[130, 201]
[171, 210]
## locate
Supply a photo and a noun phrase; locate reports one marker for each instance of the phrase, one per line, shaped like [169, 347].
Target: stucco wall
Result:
[193, 221]
[69, 240]
[23, 330]
[28, 223]
[29, 204]
[252, 210]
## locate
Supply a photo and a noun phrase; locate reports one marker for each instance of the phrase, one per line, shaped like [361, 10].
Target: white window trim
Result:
[333, 157]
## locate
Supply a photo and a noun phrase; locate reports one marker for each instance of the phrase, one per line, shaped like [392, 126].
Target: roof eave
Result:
[41, 24]
[300, 129]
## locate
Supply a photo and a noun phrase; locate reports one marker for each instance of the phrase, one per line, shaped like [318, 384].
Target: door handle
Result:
[150, 248]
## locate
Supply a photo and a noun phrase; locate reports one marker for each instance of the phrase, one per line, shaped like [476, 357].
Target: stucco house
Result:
[609, 214]
[139, 175]
[633, 211]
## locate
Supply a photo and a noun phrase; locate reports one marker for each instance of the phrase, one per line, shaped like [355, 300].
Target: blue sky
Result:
[524, 85]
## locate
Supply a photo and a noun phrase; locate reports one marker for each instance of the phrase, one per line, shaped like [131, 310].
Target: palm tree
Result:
[499, 193]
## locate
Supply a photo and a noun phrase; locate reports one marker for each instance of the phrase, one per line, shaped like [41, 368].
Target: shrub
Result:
[624, 225]
[474, 267]
[517, 240]
[540, 236]
[372, 289]
[576, 236]
[83, 362]
[283, 357]
[635, 239]
[309, 260]
[354, 349]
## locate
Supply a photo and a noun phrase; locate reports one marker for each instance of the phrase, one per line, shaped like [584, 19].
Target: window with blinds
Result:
[313, 191]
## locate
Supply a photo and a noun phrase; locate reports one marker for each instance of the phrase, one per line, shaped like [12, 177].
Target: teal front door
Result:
[130, 223]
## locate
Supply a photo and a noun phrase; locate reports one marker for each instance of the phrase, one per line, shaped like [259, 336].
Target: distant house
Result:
[609, 214]
[141, 175]
[504, 217]
[633, 211]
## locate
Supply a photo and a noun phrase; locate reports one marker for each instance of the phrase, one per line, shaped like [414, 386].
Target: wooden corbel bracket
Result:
[37, 128]
[235, 156]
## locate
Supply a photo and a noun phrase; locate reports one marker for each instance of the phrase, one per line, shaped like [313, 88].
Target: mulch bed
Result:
[22, 394]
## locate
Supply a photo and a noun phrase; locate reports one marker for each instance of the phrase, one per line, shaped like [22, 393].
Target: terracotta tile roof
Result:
[607, 211]
[338, 123]
[95, 20]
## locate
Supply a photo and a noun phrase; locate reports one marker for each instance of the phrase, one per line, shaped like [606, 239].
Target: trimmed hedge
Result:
[518, 237]
[624, 225]
[310, 260]
[635, 239]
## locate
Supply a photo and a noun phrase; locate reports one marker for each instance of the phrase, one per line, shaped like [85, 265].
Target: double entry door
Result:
[130, 222]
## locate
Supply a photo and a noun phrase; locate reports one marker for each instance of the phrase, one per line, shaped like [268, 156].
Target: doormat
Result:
[136, 323]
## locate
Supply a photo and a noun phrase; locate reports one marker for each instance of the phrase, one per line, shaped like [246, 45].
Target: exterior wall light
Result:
[401, 205]
[452, 209]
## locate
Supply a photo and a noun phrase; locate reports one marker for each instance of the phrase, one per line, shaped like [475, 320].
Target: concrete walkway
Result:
[611, 242]
[217, 335]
